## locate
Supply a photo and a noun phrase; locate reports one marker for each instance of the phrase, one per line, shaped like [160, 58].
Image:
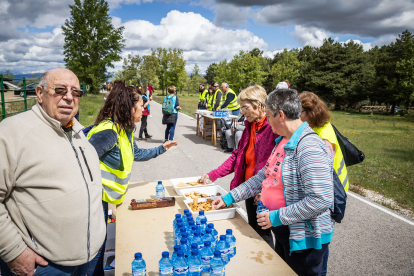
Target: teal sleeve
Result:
[274, 218]
[228, 199]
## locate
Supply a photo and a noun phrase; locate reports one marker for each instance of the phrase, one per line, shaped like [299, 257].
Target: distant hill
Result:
[28, 76]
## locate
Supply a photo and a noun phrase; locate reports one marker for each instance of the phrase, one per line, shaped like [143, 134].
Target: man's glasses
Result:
[216, 86]
[62, 91]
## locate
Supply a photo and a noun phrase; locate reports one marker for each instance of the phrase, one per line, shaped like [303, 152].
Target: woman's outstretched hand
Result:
[263, 220]
[167, 145]
[206, 179]
[218, 203]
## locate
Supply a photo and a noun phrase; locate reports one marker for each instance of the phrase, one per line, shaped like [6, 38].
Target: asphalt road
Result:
[367, 242]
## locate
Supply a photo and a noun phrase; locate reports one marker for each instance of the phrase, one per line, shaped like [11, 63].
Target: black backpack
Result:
[352, 155]
[340, 196]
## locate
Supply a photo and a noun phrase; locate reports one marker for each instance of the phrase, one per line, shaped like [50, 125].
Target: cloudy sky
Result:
[208, 31]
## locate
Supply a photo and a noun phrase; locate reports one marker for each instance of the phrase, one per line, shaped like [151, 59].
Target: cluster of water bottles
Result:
[198, 249]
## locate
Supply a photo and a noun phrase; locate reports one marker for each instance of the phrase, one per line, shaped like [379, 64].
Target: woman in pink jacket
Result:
[253, 150]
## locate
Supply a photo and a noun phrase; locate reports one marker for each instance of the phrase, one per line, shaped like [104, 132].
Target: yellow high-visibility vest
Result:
[233, 105]
[203, 94]
[327, 133]
[211, 100]
[115, 182]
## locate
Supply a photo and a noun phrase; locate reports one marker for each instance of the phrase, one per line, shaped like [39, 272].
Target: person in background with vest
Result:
[316, 113]
[229, 100]
[144, 120]
[113, 140]
[209, 98]
[202, 99]
[253, 150]
[217, 98]
[296, 184]
[170, 130]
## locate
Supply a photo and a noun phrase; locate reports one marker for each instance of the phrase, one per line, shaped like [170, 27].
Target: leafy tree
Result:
[243, 70]
[147, 70]
[287, 69]
[211, 73]
[92, 43]
[176, 68]
[130, 69]
[7, 74]
[339, 73]
[161, 69]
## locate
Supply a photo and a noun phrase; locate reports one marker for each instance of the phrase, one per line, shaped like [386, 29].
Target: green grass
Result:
[16, 106]
[187, 103]
[89, 107]
[388, 144]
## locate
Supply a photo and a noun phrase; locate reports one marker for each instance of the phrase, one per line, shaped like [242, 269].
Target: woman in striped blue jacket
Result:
[295, 184]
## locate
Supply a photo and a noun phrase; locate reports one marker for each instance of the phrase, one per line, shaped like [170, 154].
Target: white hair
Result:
[282, 85]
[226, 84]
[43, 80]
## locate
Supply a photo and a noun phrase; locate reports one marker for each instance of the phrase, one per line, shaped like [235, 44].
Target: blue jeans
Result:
[235, 112]
[56, 270]
[325, 263]
[169, 131]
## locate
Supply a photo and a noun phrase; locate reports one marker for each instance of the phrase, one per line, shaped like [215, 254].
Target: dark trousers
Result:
[252, 217]
[306, 262]
[170, 130]
[143, 128]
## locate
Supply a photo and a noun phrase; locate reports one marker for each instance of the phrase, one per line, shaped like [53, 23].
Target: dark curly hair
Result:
[118, 106]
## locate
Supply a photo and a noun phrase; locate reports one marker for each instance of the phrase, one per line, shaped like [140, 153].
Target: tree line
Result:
[340, 73]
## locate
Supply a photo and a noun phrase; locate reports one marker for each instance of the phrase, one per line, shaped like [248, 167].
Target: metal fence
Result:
[24, 94]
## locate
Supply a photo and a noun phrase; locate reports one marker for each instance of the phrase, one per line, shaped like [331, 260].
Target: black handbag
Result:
[169, 119]
[352, 155]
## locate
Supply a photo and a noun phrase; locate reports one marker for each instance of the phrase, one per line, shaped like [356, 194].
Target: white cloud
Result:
[201, 41]
[309, 36]
[231, 16]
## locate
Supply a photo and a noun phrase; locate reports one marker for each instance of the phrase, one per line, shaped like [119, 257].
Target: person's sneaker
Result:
[228, 150]
[142, 139]
[148, 136]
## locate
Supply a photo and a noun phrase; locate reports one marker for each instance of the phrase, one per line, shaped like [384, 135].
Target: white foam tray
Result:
[209, 190]
[227, 213]
[179, 190]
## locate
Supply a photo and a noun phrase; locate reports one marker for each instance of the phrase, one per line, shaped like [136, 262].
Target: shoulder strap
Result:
[297, 145]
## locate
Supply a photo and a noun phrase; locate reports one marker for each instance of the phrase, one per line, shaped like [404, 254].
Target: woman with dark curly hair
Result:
[112, 136]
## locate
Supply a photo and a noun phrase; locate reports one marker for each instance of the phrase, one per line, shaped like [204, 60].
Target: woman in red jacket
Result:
[145, 113]
[253, 150]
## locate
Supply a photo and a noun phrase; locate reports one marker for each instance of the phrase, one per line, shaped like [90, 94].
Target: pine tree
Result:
[92, 43]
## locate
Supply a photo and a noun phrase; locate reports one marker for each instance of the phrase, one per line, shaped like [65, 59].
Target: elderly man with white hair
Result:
[51, 218]
[229, 99]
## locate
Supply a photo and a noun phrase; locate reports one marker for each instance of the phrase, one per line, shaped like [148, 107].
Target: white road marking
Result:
[380, 208]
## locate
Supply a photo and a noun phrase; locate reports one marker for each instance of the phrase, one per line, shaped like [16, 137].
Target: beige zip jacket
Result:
[50, 190]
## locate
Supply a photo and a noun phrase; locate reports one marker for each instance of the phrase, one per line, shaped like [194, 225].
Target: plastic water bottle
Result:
[218, 266]
[182, 231]
[194, 246]
[232, 241]
[184, 247]
[177, 227]
[177, 216]
[213, 231]
[193, 230]
[138, 265]
[190, 223]
[209, 237]
[203, 226]
[261, 208]
[189, 228]
[200, 216]
[180, 264]
[224, 247]
[174, 254]
[197, 239]
[160, 191]
[194, 264]
[177, 232]
[166, 267]
[206, 255]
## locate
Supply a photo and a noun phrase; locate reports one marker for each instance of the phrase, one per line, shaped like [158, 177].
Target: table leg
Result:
[214, 134]
[198, 124]
[204, 129]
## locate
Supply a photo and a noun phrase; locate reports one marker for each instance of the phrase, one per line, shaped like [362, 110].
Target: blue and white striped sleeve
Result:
[250, 188]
